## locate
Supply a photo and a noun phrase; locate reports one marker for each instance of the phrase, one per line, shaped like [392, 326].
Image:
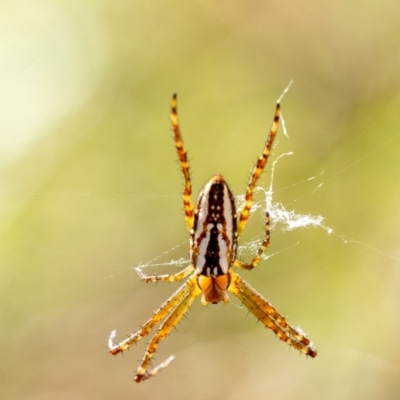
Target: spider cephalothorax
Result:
[214, 230]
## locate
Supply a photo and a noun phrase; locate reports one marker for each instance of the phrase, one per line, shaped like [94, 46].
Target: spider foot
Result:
[143, 276]
[143, 375]
[112, 346]
[116, 348]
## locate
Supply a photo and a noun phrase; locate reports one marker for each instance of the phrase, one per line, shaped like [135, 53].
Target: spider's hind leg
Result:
[257, 170]
[182, 154]
[254, 262]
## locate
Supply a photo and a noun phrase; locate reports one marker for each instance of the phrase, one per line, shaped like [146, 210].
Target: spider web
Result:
[83, 284]
[281, 218]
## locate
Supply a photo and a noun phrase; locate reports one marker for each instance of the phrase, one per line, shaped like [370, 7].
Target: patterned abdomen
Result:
[214, 238]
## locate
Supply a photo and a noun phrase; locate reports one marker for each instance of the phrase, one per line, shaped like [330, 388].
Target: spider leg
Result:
[164, 278]
[268, 315]
[158, 368]
[261, 249]
[173, 318]
[262, 160]
[158, 315]
[182, 154]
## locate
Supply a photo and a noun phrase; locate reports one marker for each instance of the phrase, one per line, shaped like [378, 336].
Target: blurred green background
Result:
[90, 188]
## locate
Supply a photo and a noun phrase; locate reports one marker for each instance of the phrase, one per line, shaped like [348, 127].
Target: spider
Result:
[214, 231]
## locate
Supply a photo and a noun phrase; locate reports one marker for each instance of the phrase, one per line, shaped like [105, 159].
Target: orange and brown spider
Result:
[214, 230]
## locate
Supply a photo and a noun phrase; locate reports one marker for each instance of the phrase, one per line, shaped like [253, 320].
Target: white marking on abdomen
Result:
[228, 214]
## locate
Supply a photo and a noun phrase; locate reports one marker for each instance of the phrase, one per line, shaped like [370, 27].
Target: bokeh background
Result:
[90, 188]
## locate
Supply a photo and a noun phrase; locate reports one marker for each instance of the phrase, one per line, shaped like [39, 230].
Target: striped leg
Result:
[164, 278]
[158, 315]
[182, 154]
[261, 249]
[173, 318]
[268, 315]
[262, 160]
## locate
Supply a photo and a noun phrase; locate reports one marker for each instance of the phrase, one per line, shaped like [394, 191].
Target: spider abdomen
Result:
[214, 235]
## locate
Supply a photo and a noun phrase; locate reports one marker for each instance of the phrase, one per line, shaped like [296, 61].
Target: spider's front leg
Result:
[268, 315]
[158, 316]
[164, 278]
[173, 318]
